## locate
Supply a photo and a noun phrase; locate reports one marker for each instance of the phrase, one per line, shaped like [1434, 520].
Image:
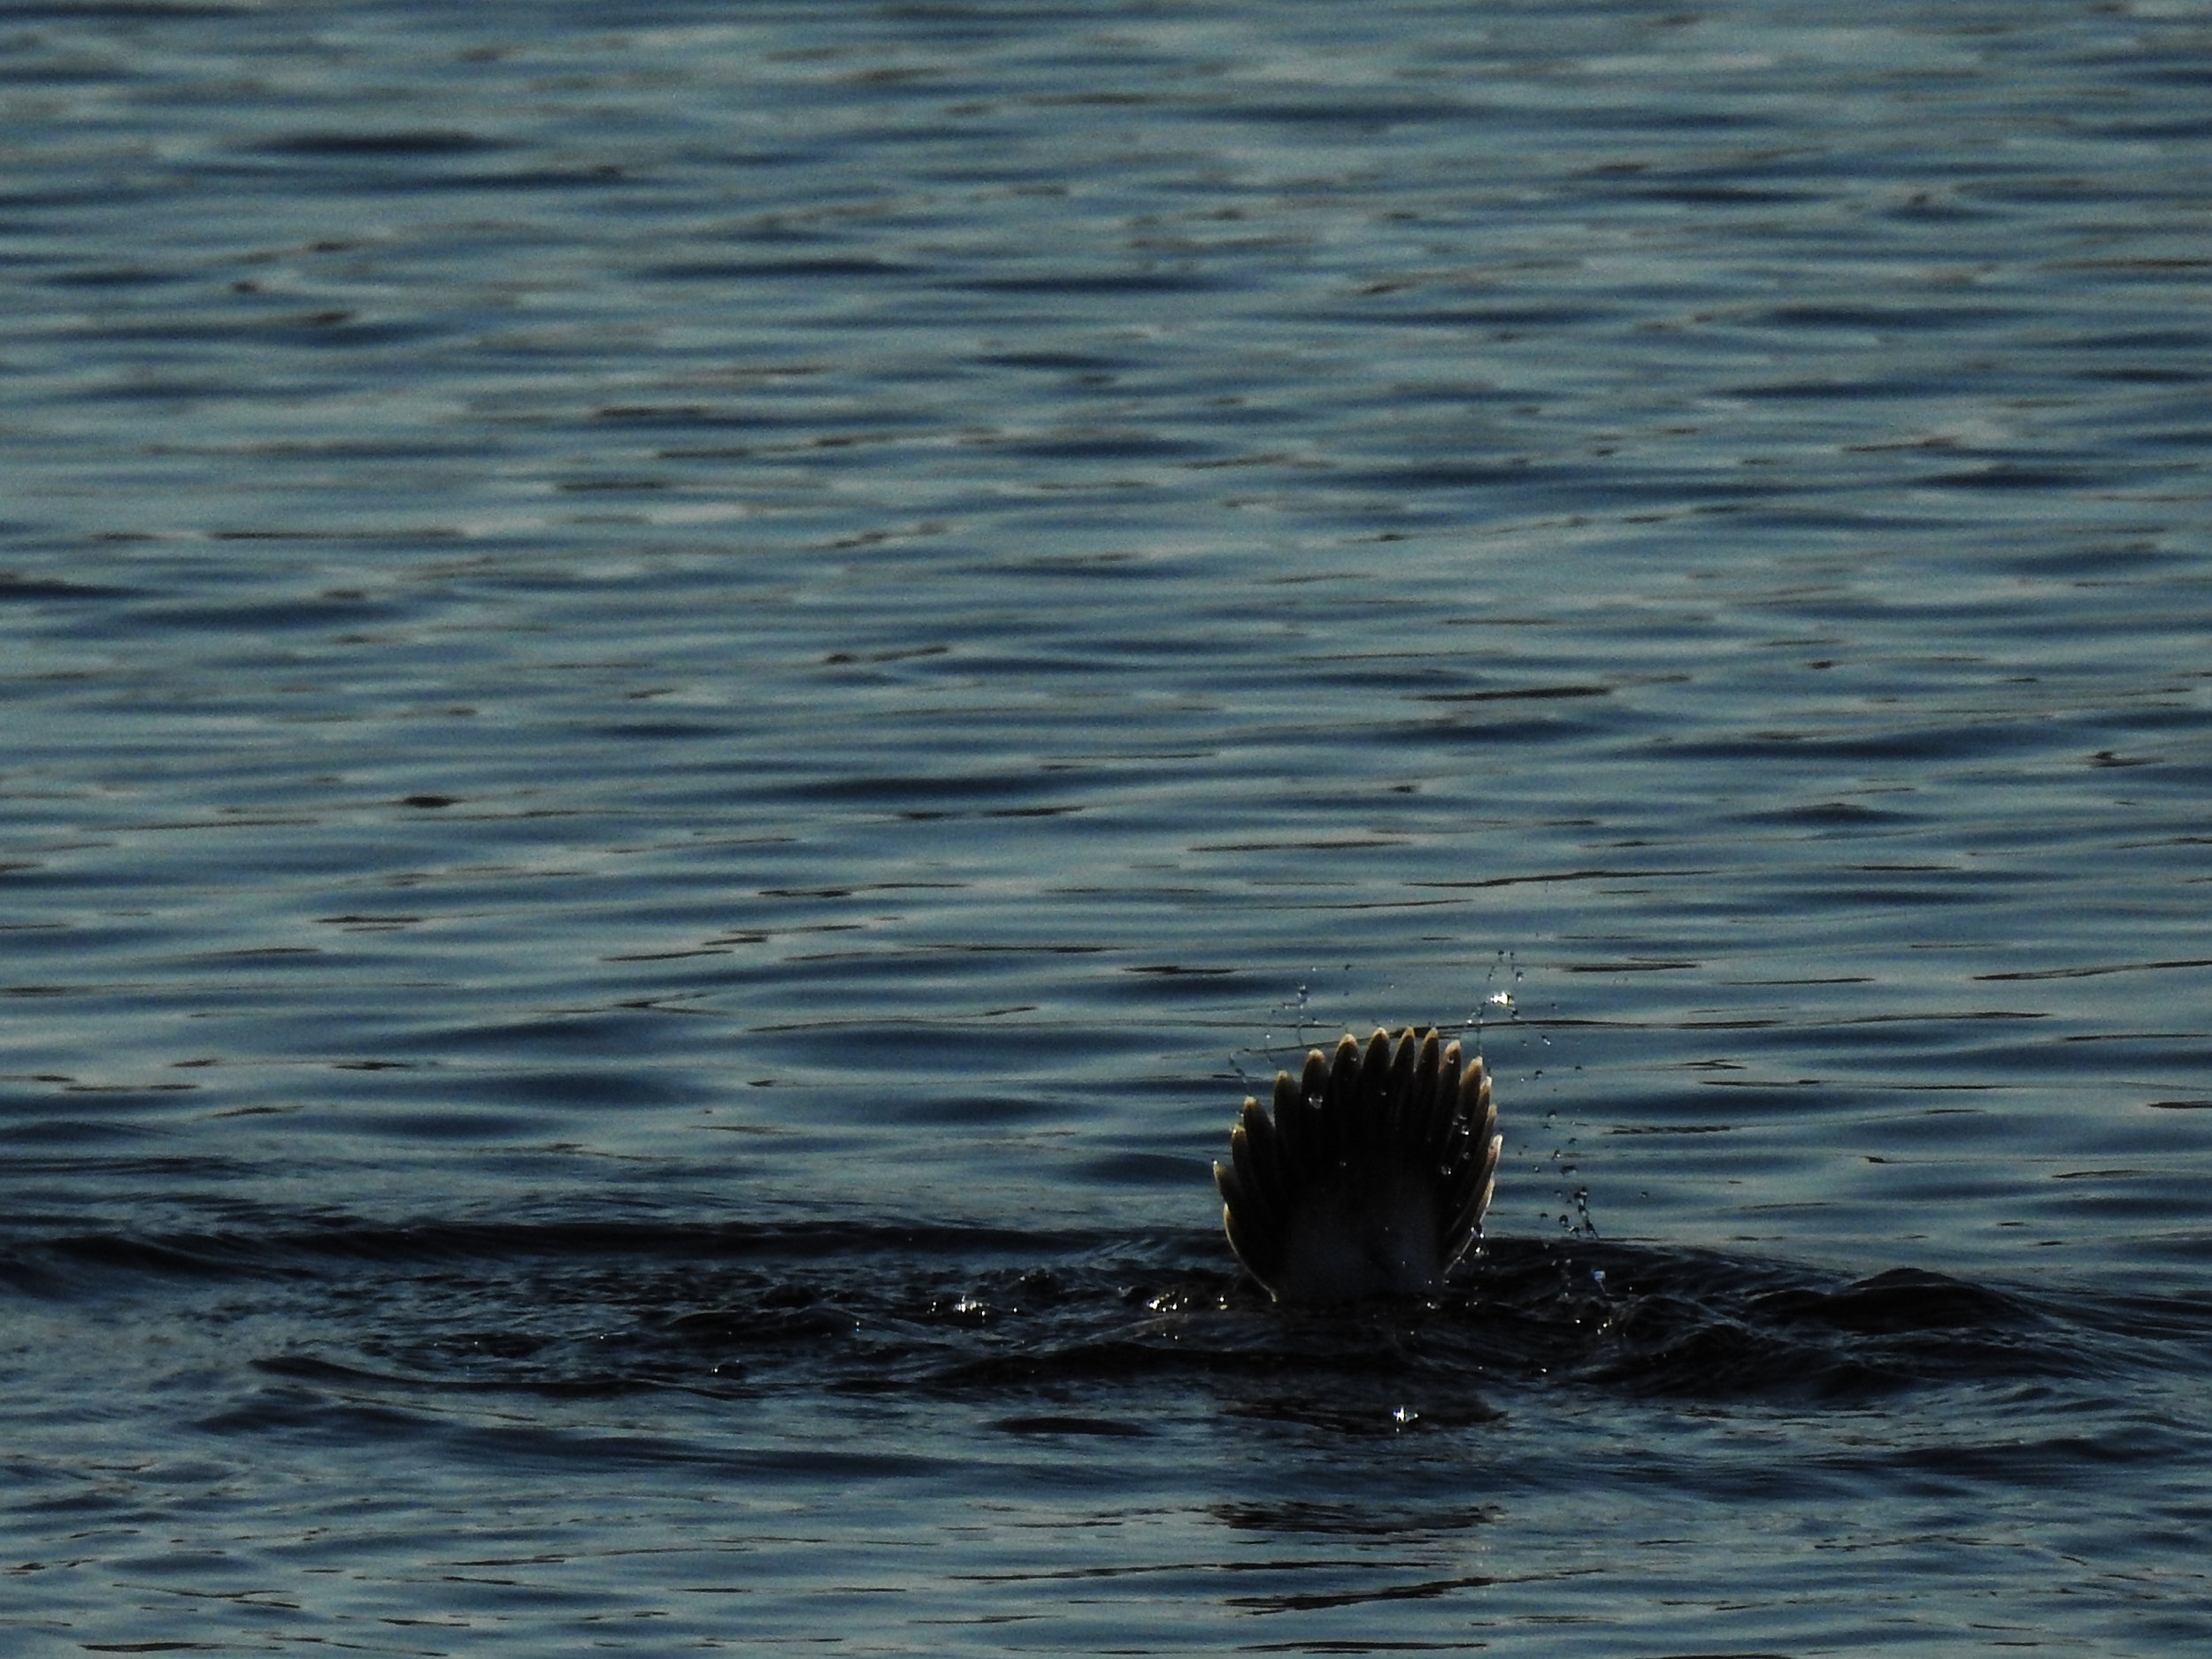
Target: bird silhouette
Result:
[1372, 1175]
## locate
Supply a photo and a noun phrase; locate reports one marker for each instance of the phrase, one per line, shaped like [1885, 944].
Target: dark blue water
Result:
[689, 691]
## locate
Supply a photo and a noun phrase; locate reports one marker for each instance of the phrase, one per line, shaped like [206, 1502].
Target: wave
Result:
[884, 1308]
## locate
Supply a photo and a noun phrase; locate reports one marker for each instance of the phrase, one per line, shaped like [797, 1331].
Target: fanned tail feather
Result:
[1372, 1175]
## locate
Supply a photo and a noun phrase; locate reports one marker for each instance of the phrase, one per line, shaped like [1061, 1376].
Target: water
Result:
[690, 691]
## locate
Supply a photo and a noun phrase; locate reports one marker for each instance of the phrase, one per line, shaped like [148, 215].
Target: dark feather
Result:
[1372, 1176]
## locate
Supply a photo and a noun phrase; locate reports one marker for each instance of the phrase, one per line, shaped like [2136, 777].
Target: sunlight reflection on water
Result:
[692, 695]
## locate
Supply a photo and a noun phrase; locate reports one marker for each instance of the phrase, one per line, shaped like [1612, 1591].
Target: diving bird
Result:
[1372, 1175]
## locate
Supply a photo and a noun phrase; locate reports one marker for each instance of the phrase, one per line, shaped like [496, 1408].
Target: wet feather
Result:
[1371, 1177]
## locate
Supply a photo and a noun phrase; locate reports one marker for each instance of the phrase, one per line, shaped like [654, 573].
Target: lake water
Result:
[689, 691]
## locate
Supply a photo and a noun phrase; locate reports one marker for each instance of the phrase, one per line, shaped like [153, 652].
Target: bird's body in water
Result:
[1371, 1177]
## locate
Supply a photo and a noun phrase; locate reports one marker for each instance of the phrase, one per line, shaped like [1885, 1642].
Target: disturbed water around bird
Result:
[691, 690]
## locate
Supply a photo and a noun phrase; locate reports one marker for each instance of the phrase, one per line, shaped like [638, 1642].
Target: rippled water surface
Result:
[690, 690]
